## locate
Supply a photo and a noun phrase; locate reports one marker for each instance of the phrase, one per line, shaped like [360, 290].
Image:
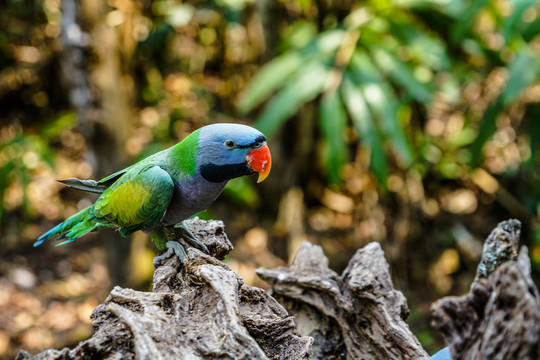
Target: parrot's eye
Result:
[229, 144]
[257, 145]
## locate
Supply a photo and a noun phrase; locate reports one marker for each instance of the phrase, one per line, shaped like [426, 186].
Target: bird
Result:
[159, 193]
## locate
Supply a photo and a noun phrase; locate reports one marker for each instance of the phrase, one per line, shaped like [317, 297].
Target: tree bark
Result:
[500, 317]
[202, 310]
[198, 310]
[357, 315]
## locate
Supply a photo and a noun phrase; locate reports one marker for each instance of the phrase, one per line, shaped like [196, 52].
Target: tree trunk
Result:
[92, 61]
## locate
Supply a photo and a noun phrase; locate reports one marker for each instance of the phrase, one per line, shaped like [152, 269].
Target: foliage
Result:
[414, 120]
[23, 155]
[384, 59]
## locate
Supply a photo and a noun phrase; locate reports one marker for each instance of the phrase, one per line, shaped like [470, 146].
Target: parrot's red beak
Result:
[259, 160]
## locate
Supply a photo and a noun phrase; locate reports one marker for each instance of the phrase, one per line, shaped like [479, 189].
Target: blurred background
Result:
[413, 123]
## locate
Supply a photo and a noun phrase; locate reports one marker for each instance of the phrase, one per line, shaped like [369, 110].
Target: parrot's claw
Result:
[173, 247]
[178, 235]
[190, 238]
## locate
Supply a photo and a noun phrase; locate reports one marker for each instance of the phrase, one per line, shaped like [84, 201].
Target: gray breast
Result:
[190, 197]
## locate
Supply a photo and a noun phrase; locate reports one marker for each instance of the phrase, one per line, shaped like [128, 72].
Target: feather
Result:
[77, 221]
[165, 188]
[91, 186]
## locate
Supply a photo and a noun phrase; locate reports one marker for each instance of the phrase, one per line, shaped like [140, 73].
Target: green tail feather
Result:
[74, 227]
[159, 238]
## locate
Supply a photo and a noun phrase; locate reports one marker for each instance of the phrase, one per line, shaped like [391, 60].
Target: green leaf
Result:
[303, 87]
[277, 73]
[355, 103]
[463, 26]
[402, 75]
[41, 147]
[424, 48]
[268, 79]
[362, 70]
[451, 8]
[383, 104]
[327, 42]
[521, 73]
[298, 34]
[531, 30]
[464, 137]
[511, 23]
[64, 121]
[333, 120]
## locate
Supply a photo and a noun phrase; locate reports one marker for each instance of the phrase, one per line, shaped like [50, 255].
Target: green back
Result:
[183, 156]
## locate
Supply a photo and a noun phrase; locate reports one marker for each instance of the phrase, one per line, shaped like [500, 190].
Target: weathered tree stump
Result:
[357, 315]
[200, 310]
[500, 317]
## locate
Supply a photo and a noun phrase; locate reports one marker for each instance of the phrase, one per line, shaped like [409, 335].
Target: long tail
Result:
[74, 227]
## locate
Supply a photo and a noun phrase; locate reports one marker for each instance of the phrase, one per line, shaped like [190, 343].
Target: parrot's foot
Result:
[191, 239]
[178, 237]
[173, 247]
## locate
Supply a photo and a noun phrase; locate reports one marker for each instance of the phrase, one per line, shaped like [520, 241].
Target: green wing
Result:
[137, 200]
[109, 180]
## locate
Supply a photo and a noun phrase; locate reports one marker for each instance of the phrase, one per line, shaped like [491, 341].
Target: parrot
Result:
[157, 194]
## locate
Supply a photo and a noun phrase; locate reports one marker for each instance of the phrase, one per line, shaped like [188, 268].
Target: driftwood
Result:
[200, 310]
[357, 315]
[500, 317]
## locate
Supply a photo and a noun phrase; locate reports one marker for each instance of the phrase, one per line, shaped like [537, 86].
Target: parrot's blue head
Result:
[227, 151]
